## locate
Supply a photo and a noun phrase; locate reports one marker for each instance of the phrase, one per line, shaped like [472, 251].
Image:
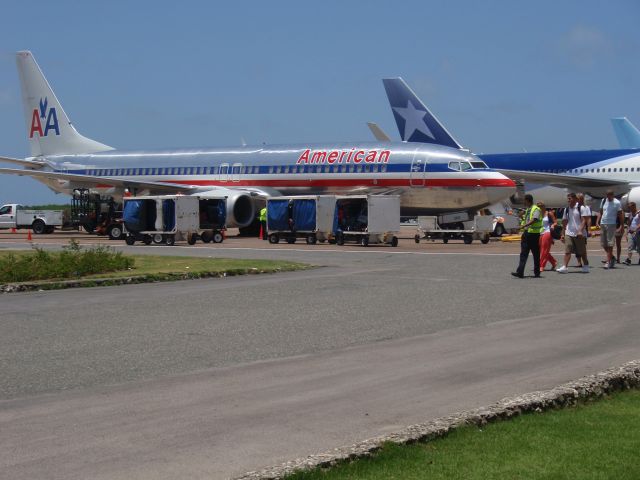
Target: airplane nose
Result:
[503, 187]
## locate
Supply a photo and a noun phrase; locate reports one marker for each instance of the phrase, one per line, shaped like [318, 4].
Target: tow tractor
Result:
[96, 214]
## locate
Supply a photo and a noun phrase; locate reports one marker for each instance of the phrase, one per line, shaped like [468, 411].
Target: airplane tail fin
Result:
[415, 122]
[628, 135]
[48, 127]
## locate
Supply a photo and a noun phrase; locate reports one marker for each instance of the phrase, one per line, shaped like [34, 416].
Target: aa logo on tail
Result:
[44, 116]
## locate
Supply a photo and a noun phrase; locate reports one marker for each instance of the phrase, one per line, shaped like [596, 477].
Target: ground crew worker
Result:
[263, 222]
[530, 241]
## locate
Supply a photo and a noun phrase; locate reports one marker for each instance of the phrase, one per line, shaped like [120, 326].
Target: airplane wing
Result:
[380, 135]
[24, 163]
[580, 183]
[90, 181]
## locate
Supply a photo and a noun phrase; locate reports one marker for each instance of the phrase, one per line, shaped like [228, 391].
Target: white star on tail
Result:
[414, 120]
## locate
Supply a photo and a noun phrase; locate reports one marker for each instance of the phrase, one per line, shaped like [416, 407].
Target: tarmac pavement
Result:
[211, 378]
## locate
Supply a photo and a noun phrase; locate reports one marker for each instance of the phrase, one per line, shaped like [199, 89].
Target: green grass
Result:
[102, 262]
[151, 264]
[598, 440]
[72, 262]
[48, 206]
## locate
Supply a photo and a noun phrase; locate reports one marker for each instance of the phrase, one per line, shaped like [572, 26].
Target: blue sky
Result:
[502, 76]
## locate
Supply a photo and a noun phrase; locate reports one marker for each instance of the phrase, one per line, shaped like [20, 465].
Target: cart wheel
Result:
[499, 230]
[191, 239]
[291, 240]
[170, 240]
[340, 239]
[130, 239]
[115, 232]
[468, 239]
[394, 242]
[364, 240]
[274, 238]
[146, 239]
[445, 238]
[311, 239]
[485, 239]
[417, 238]
[157, 238]
[206, 237]
[332, 241]
[217, 237]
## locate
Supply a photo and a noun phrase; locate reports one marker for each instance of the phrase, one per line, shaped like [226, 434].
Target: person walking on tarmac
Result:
[263, 223]
[530, 242]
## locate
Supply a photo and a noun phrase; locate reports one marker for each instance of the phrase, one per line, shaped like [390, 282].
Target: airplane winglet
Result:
[378, 133]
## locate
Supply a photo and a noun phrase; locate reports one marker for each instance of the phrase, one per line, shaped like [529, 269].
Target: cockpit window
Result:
[465, 166]
[454, 165]
[479, 164]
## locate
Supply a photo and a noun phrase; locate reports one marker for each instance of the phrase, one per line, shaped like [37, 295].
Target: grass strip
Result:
[137, 269]
[593, 440]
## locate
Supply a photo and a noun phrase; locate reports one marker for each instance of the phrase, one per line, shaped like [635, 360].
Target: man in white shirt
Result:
[633, 236]
[574, 233]
[611, 221]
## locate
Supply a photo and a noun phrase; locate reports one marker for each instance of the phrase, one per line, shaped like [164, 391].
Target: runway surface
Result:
[211, 378]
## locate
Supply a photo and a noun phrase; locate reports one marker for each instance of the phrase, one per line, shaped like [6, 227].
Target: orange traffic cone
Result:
[29, 235]
[13, 230]
[261, 232]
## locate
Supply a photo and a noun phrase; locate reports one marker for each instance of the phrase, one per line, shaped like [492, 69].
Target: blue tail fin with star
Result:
[415, 122]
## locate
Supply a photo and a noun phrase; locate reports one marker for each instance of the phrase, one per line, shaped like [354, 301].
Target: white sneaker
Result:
[585, 269]
[562, 269]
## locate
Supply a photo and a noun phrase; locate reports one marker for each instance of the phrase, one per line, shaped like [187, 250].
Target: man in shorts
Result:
[574, 233]
[633, 235]
[611, 221]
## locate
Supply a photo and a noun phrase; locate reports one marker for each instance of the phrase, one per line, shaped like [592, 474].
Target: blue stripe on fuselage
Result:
[263, 170]
[551, 161]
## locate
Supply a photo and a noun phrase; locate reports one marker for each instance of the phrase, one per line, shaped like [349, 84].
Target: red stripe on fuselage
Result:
[395, 182]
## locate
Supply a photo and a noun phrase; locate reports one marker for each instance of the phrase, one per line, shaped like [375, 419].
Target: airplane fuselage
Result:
[420, 174]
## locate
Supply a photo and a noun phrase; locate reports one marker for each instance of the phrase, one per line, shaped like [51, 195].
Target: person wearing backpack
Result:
[587, 213]
[574, 233]
[611, 221]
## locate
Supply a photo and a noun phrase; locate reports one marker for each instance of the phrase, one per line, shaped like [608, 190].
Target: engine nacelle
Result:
[241, 207]
[632, 196]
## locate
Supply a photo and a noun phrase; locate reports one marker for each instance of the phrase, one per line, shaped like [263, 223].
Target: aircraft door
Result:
[236, 169]
[418, 170]
[224, 172]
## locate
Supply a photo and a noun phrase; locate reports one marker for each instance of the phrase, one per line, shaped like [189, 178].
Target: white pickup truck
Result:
[13, 215]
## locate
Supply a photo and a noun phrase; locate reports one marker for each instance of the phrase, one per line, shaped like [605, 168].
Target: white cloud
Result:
[585, 46]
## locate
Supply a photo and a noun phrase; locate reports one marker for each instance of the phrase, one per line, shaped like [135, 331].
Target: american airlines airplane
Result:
[548, 176]
[64, 160]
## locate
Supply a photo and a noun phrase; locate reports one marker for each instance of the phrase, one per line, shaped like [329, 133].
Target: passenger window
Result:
[383, 168]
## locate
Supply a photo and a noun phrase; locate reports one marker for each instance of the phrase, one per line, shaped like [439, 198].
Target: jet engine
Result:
[632, 196]
[241, 208]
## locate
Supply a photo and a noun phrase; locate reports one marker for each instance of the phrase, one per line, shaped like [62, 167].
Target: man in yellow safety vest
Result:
[530, 242]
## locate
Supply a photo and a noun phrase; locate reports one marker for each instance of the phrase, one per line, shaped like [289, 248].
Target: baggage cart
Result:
[167, 218]
[308, 217]
[367, 219]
